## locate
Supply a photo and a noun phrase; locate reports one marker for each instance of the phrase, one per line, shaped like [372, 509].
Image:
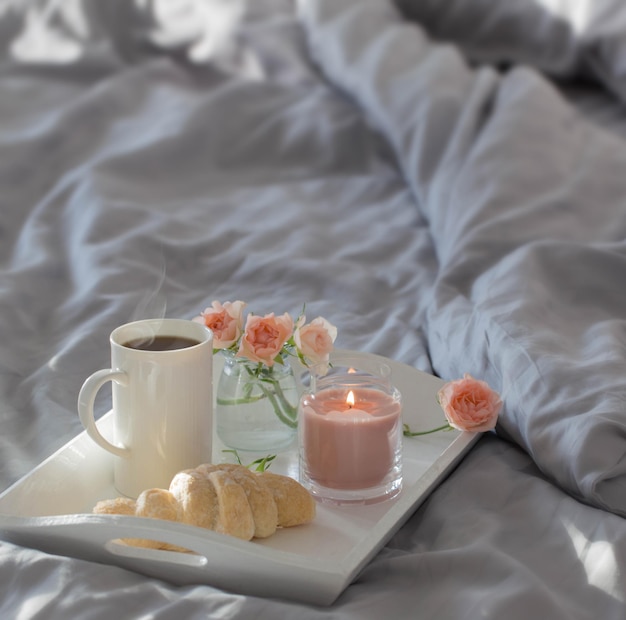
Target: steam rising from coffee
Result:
[152, 304]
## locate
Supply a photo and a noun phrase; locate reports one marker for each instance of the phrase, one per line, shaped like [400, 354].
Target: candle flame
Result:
[350, 399]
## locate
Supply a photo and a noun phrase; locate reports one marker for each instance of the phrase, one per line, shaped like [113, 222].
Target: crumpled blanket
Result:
[524, 200]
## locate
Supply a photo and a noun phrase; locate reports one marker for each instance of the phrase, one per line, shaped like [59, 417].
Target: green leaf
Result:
[236, 455]
[260, 465]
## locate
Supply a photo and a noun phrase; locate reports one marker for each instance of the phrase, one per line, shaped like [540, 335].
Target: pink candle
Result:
[349, 436]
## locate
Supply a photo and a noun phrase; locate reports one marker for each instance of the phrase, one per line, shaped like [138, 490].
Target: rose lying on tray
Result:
[226, 498]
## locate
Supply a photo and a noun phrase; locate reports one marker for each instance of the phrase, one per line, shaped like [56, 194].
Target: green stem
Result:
[407, 432]
[284, 410]
[240, 401]
[277, 409]
[288, 408]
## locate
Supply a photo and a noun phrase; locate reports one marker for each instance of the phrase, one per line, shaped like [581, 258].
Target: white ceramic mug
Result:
[162, 402]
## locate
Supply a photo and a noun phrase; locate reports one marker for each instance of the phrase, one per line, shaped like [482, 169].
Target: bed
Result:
[443, 181]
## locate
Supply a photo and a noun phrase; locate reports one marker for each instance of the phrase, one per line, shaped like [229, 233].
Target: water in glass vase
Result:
[256, 405]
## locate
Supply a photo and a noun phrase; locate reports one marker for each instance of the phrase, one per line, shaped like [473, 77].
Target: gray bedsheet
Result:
[447, 203]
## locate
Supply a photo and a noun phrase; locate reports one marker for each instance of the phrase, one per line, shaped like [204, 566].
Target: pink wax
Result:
[350, 446]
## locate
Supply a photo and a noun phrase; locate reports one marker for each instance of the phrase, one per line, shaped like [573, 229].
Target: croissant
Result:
[226, 498]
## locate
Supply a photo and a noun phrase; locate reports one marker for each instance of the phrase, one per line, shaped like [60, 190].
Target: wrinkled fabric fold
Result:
[426, 200]
[504, 170]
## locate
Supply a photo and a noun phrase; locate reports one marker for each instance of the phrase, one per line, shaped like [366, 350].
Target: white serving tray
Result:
[49, 509]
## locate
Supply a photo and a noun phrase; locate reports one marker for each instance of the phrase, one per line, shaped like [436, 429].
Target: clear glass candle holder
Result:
[350, 433]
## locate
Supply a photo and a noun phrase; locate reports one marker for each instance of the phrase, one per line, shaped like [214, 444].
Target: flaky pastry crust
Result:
[226, 498]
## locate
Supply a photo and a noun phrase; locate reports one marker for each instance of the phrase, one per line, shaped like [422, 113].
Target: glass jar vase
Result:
[256, 405]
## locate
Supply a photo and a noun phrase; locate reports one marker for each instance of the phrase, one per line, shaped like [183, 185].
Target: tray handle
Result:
[102, 535]
[194, 559]
[196, 544]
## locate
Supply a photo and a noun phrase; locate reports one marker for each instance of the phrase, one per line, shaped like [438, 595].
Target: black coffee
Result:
[161, 343]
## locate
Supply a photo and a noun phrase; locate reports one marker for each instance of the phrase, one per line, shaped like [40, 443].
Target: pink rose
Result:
[470, 404]
[264, 337]
[315, 340]
[225, 321]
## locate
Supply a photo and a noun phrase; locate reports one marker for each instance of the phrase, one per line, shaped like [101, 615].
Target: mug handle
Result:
[86, 399]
